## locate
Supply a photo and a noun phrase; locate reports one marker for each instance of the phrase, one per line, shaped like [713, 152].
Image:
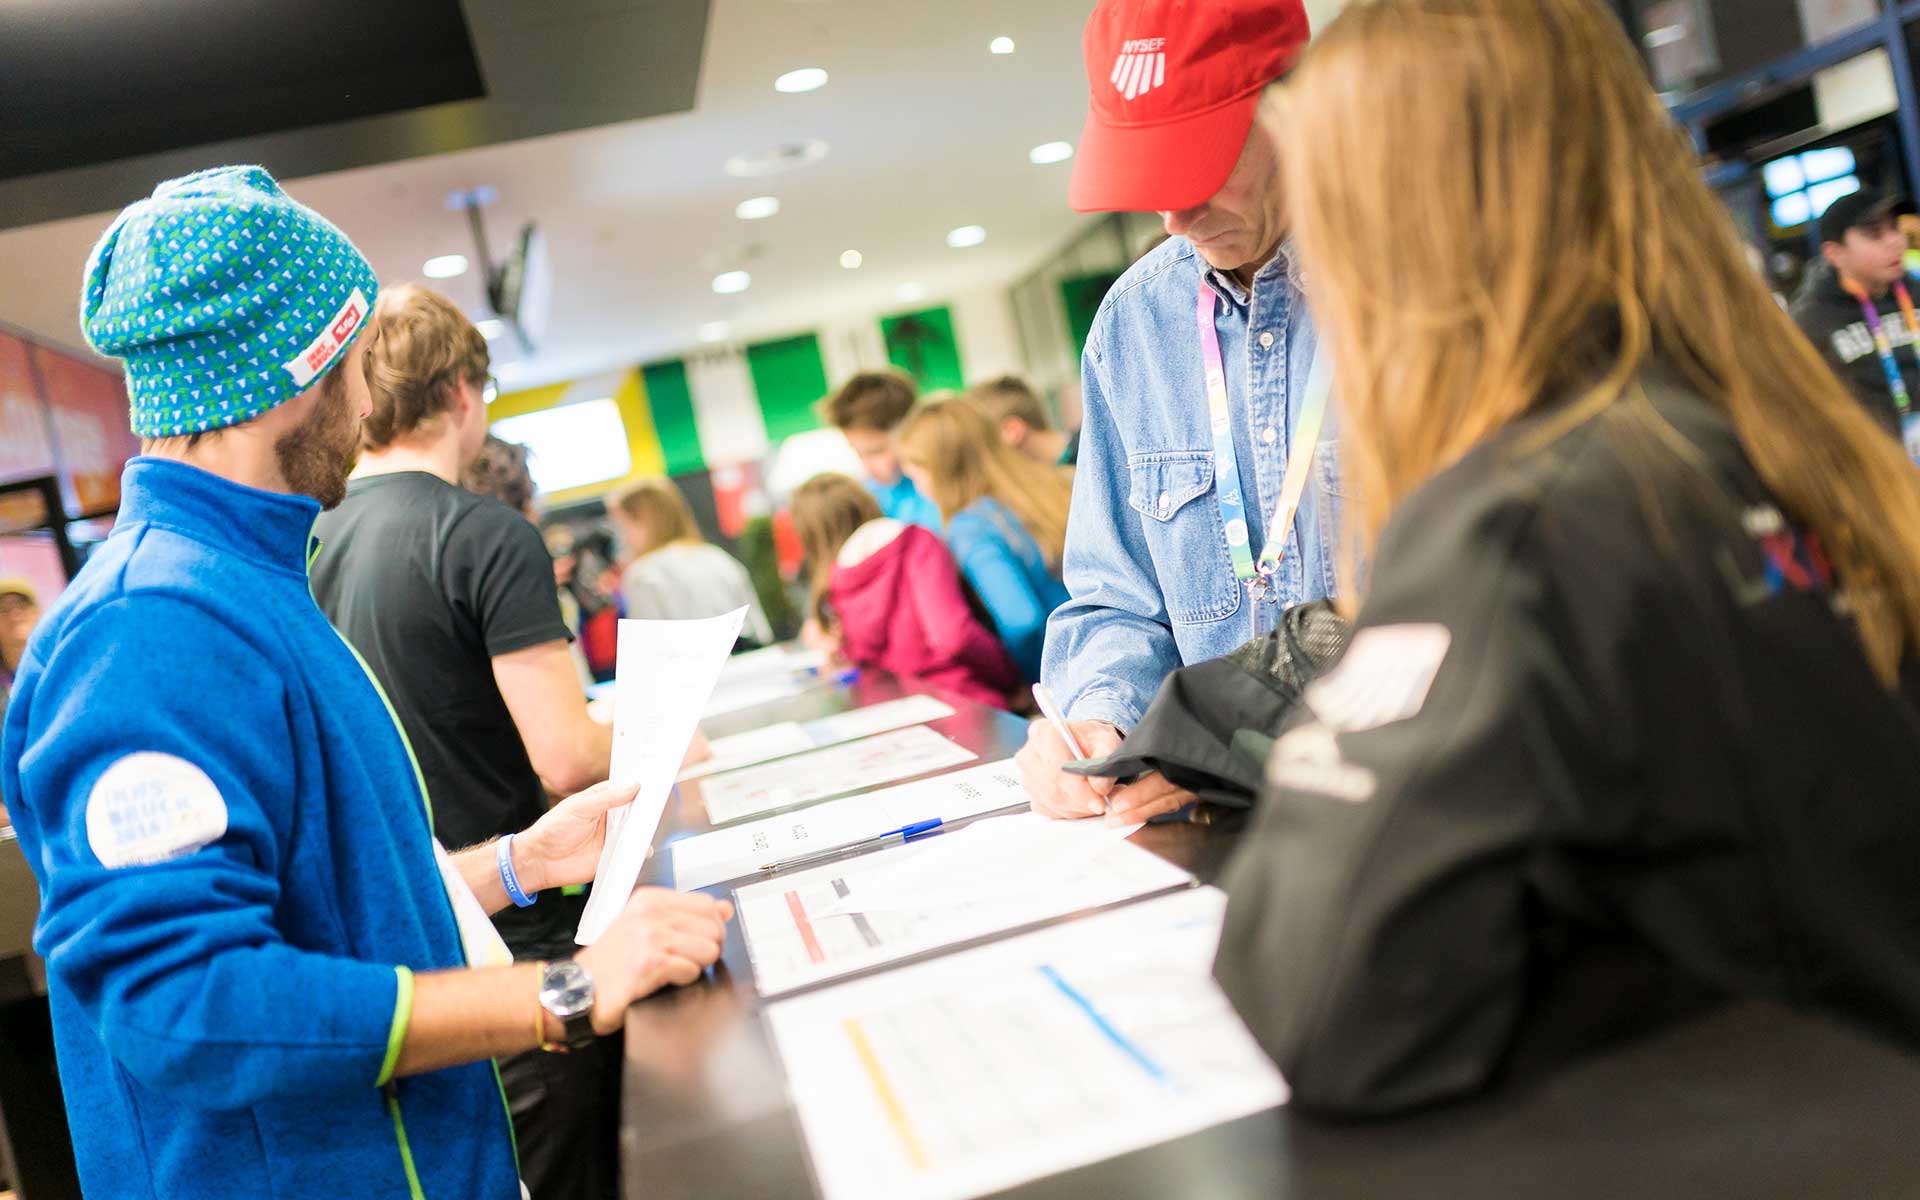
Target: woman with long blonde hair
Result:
[1006, 517]
[673, 573]
[1630, 705]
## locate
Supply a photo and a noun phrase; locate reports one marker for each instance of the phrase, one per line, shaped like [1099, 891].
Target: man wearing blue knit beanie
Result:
[266, 977]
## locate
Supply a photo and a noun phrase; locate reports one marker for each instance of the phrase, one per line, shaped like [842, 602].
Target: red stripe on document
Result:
[800, 922]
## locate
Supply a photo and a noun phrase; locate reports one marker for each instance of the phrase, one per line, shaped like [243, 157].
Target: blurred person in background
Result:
[886, 594]
[672, 573]
[1006, 518]
[1856, 308]
[450, 599]
[1627, 720]
[19, 613]
[1021, 418]
[866, 410]
[1199, 387]
[500, 471]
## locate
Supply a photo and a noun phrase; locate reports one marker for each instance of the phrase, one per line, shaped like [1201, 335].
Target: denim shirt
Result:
[1151, 581]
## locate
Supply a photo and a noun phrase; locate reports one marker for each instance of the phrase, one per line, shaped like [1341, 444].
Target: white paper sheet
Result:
[834, 771]
[740, 850]
[992, 876]
[1016, 1060]
[794, 737]
[664, 671]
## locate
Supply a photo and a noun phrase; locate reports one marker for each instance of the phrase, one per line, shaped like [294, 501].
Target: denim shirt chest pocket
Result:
[1172, 490]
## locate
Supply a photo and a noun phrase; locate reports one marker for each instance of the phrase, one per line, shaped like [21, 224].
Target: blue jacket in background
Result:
[227, 1015]
[1146, 561]
[1009, 574]
[903, 502]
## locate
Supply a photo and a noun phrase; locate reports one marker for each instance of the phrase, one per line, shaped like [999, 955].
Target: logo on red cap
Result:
[1141, 66]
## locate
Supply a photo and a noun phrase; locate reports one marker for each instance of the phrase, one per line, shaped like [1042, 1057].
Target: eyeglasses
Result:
[490, 390]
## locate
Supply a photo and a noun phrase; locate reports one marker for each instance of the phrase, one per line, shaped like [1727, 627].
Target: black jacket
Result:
[1832, 318]
[1599, 711]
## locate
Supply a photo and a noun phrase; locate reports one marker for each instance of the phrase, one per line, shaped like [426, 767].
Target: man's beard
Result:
[317, 455]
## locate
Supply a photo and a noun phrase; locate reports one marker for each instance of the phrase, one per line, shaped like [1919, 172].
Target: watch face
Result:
[566, 990]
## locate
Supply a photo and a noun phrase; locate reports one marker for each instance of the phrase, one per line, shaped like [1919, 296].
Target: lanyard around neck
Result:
[1257, 577]
[1884, 344]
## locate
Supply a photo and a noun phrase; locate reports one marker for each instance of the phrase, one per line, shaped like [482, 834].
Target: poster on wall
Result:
[90, 430]
[26, 447]
[923, 345]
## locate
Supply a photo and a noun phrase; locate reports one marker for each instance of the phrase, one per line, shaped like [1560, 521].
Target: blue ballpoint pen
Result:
[905, 834]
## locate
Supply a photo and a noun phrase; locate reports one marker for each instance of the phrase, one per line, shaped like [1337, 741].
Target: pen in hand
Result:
[1051, 711]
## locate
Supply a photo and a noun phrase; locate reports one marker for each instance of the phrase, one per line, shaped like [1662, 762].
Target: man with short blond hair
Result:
[449, 597]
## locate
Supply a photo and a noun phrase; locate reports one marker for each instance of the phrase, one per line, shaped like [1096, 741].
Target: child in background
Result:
[673, 573]
[1021, 418]
[889, 593]
[1006, 517]
[866, 410]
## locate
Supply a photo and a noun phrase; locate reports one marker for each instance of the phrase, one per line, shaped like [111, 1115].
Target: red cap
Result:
[1175, 84]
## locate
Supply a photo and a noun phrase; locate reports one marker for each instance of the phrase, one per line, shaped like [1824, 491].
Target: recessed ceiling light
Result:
[966, 235]
[1002, 45]
[910, 292]
[729, 282]
[446, 266]
[714, 331]
[806, 79]
[851, 260]
[491, 328]
[757, 209]
[1050, 152]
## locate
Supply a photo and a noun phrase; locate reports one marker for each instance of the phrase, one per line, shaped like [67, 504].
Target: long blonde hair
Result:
[826, 510]
[1492, 208]
[658, 512]
[956, 444]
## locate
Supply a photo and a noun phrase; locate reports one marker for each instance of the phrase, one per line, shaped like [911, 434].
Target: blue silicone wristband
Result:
[504, 856]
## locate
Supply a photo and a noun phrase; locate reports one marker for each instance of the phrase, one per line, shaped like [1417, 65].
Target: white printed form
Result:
[664, 671]
[741, 850]
[835, 771]
[989, 1067]
[992, 876]
[756, 746]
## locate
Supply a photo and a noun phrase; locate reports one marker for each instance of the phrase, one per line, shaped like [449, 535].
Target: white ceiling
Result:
[928, 131]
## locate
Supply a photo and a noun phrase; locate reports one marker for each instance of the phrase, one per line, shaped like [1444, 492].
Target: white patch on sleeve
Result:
[150, 807]
[1308, 759]
[1384, 677]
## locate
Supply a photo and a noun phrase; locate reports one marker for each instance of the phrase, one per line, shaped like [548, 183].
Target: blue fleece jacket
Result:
[236, 873]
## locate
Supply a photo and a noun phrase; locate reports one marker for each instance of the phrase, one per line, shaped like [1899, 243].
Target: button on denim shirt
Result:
[1146, 560]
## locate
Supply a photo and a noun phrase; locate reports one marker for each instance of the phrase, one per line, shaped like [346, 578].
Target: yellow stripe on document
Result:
[884, 1090]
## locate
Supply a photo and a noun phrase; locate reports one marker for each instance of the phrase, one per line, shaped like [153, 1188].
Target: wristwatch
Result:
[566, 991]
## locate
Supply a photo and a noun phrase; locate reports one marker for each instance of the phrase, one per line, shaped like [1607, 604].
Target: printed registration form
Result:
[756, 746]
[989, 1067]
[994, 875]
[834, 771]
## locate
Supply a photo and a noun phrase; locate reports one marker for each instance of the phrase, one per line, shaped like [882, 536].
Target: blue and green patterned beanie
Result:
[224, 298]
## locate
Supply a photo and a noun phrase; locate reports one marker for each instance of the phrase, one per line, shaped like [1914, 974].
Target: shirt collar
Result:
[1280, 266]
[268, 527]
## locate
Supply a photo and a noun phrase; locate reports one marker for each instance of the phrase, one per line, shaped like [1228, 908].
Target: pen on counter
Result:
[905, 834]
[1051, 711]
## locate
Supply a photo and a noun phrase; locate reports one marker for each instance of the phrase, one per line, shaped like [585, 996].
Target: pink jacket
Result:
[898, 599]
